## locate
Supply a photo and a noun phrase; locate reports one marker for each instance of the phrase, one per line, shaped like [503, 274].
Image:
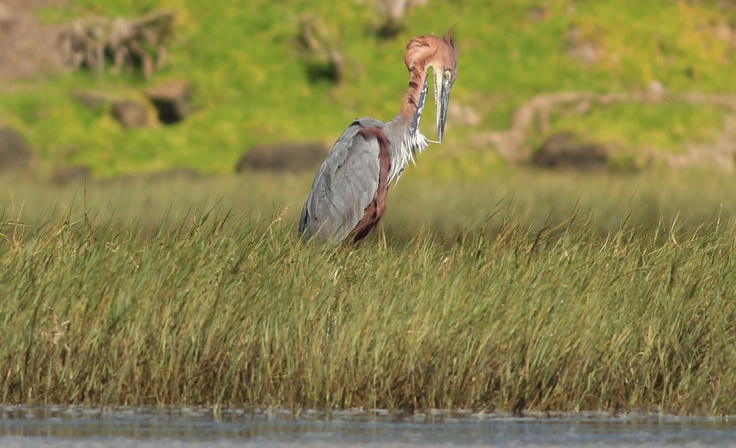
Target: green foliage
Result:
[252, 86]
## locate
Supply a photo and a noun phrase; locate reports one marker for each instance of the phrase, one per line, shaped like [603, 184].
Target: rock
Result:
[655, 87]
[67, 174]
[15, 152]
[171, 100]
[172, 174]
[537, 13]
[131, 114]
[7, 18]
[584, 45]
[125, 43]
[92, 99]
[562, 150]
[28, 48]
[283, 157]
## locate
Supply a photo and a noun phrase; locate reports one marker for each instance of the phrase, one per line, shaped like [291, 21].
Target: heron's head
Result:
[440, 54]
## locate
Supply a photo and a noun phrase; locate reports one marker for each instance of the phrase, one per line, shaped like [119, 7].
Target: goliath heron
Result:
[348, 195]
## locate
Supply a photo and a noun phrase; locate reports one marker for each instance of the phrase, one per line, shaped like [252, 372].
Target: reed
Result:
[583, 312]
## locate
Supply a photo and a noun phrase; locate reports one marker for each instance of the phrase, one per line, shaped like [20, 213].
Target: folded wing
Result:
[344, 186]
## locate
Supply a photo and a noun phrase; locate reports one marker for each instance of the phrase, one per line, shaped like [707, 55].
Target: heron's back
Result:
[343, 187]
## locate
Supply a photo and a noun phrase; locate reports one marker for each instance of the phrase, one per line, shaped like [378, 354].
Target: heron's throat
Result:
[404, 128]
[417, 117]
[411, 140]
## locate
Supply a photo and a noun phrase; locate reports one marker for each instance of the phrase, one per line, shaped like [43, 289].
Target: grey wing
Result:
[344, 186]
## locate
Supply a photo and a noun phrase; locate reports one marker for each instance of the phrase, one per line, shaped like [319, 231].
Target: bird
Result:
[348, 195]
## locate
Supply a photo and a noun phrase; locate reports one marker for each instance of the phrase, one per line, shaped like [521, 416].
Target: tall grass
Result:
[224, 307]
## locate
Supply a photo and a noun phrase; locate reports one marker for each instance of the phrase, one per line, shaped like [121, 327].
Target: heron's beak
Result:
[442, 88]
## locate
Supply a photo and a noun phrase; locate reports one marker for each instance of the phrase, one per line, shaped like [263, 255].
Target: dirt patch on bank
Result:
[535, 115]
[28, 48]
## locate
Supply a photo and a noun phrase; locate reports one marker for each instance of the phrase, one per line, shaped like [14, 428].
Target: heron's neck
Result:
[407, 139]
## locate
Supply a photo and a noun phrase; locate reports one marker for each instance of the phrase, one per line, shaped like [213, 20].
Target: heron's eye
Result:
[447, 74]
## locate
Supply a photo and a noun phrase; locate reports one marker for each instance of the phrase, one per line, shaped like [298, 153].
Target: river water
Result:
[80, 427]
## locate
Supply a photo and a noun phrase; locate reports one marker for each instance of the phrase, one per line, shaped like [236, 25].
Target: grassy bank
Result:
[580, 299]
[251, 85]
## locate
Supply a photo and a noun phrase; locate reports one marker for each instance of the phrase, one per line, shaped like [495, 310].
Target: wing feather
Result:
[343, 187]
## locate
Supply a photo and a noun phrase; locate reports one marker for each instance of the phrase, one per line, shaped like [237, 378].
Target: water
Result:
[79, 427]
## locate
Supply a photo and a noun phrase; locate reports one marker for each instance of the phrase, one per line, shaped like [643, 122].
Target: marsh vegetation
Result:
[488, 285]
[526, 290]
